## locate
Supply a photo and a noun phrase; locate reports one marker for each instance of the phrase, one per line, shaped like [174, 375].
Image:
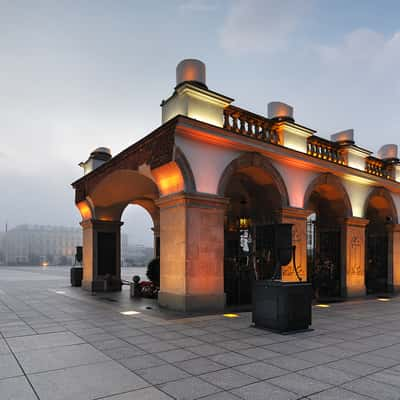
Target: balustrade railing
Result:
[252, 125]
[248, 124]
[324, 149]
[378, 167]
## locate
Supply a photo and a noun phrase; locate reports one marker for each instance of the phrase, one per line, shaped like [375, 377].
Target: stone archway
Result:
[250, 162]
[336, 240]
[381, 212]
[333, 190]
[256, 194]
[102, 226]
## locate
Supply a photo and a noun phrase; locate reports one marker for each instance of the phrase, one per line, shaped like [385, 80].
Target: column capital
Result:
[100, 224]
[198, 200]
[293, 212]
[355, 221]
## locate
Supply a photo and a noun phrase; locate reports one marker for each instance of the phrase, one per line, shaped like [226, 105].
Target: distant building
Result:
[38, 244]
[135, 254]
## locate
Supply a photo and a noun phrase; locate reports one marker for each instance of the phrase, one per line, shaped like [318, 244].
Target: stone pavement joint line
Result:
[60, 343]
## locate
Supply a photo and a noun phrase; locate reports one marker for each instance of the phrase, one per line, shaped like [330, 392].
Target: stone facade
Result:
[207, 166]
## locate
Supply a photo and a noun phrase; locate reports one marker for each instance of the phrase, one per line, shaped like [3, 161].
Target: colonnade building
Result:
[213, 170]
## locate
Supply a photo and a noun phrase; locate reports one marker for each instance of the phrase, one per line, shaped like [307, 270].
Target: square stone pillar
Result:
[353, 257]
[156, 240]
[394, 257]
[101, 255]
[297, 217]
[192, 252]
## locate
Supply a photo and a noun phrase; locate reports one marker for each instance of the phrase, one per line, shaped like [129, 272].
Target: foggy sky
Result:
[78, 75]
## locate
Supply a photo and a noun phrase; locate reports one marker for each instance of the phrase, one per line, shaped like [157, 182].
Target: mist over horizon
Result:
[77, 76]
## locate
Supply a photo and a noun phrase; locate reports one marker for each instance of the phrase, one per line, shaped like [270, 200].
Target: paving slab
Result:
[44, 341]
[189, 389]
[141, 362]
[86, 382]
[299, 384]
[48, 359]
[162, 374]
[261, 370]
[16, 389]
[264, 391]
[337, 394]
[141, 394]
[374, 389]
[199, 366]
[228, 379]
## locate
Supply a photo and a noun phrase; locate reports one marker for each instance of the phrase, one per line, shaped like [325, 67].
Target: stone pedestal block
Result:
[192, 252]
[101, 255]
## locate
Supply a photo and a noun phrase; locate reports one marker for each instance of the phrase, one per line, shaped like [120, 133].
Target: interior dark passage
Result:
[380, 213]
[324, 231]
[254, 200]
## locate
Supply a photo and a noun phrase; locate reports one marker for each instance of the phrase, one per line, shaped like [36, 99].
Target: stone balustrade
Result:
[325, 149]
[248, 124]
[378, 167]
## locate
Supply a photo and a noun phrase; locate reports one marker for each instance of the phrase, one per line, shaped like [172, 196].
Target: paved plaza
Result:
[59, 342]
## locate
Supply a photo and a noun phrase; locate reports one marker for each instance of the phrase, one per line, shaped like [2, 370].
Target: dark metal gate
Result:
[238, 271]
[376, 266]
[324, 259]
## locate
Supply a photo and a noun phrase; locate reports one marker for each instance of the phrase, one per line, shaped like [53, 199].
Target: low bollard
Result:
[76, 276]
[136, 290]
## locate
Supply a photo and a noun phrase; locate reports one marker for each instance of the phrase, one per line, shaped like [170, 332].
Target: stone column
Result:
[101, 255]
[394, 257]
[297, 217]
[156, 240]
[192, 252]
[353, 257]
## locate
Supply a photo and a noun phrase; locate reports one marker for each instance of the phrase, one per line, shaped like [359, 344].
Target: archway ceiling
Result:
[379, 202]
[329, 192]
[123, 187]
[257, 175]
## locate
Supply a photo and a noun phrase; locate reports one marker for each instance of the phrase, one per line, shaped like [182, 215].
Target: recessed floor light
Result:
[60, 292]
[129, 312]
[322, 305]
[231, 315]
[383, 299]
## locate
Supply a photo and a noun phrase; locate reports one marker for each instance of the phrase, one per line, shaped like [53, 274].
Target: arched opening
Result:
[381, 213]
[329, 203]
[139, 239]
[104, 246]
[256, 193]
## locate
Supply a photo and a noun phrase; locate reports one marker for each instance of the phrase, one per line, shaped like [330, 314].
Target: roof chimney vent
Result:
[344, 137]
[97, 157]
[388, 152]
[191, 70]
[280, 111]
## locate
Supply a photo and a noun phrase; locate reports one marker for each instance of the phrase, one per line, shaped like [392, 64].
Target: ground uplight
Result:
[231, 315]
[131, 312]
[322, 305]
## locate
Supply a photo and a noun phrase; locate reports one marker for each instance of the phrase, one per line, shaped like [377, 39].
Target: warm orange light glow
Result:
[85, 210]
[322, 305]
[231, 315]
[169, 178]
[105, 218]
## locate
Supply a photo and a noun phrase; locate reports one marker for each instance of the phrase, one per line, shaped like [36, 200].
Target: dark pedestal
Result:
[76, 276]
[282, 306]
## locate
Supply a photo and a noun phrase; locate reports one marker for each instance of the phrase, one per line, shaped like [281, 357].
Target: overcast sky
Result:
[75, 75]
